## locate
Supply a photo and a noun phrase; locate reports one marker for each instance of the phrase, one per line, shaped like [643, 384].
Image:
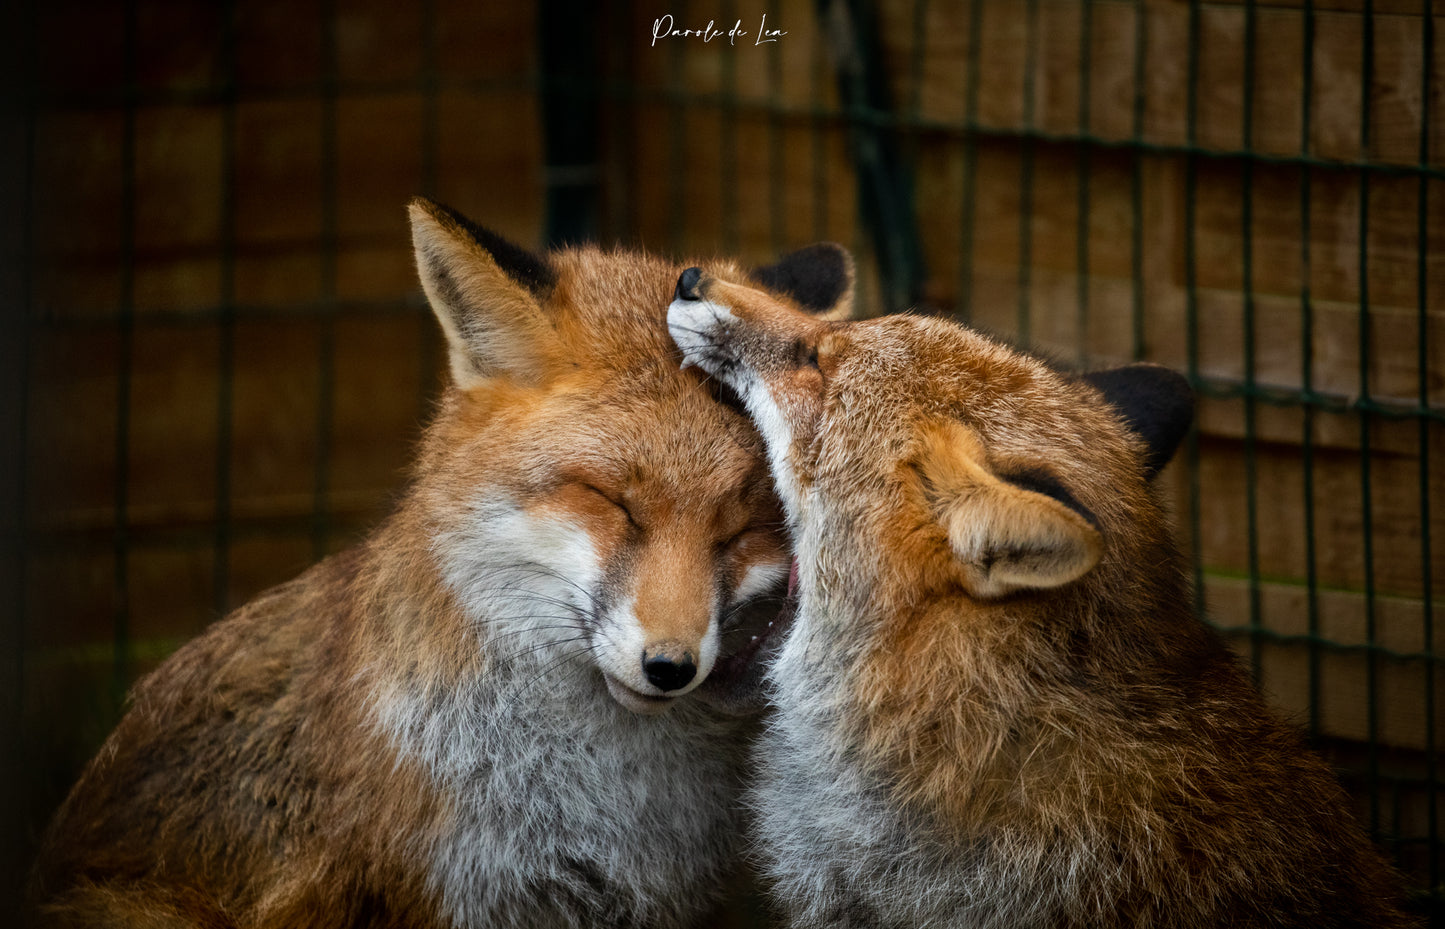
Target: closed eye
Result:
[806, 353]
[734, 539]
[615, 502]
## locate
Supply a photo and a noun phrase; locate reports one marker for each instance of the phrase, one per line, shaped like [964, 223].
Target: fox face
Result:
[436, 727]
[924, 435]
[641, 546]
[592, 500]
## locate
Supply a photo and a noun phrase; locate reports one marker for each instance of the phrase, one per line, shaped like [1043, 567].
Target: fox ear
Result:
[486, 292]
[1156, 403]
[818, 277]
[1008, 535]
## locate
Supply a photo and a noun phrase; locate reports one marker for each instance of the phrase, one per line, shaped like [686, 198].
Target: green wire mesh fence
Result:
[217, 355]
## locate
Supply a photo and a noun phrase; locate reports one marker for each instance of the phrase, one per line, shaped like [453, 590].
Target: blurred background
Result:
[216, 356]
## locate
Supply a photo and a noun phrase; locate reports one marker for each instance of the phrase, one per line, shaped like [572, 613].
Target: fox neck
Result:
[438, 656]
[856, 557]
[872, 623]
[841, 600]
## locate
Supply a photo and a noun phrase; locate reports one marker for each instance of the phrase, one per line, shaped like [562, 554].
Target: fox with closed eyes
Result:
[524, 700]
[994, 705]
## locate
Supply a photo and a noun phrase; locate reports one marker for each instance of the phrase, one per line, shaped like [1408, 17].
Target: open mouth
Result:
[736, 681]
[735, 685]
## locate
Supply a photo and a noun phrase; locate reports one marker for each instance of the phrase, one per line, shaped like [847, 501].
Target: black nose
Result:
[687, 284]
[669, 672]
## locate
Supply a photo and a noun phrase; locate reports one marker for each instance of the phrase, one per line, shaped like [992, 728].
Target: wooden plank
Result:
[1397, 520]
[378, 163]
[490, 161]
[721, 189]
[279, 171]
[1413, 7]
[380, 386]
[1341, 619]
[69, 598]
[173, 425]
[278, 44]
[379, 383]
[71, 425]
[1274, 122]
[1278, 271]
[485, 41]
[274, 409]
[77, 203]
[1274, 198]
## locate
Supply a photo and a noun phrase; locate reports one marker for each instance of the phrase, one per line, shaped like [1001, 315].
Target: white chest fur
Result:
[567, 810]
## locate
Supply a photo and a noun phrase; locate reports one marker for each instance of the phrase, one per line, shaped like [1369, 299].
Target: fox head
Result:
[958, 461]
[588, 501]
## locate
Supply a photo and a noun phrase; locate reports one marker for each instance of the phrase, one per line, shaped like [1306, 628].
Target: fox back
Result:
[995, 707]
[524, 699]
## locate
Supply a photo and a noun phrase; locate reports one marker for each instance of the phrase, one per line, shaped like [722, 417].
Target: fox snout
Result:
[669, 666]
[687, 285]
[646, 676]
[695, 321]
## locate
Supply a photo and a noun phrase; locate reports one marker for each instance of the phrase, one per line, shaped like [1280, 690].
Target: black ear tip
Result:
[817, 276]
[687, 284]
[1156, 402]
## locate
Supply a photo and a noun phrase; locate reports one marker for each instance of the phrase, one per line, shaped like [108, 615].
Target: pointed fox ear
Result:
[818, 277]
[1025, 533]
[1156, 403]
[486, 292]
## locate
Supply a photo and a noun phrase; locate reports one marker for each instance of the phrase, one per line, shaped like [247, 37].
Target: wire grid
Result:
[1399, 791]
[37, 782]
[888, 131]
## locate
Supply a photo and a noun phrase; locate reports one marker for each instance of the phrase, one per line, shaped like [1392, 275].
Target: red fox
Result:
[523, 700]
[995, 707]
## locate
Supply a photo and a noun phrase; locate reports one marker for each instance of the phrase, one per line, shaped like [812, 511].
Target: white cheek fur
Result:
[693, 325]
[510, 569]
[514, 575]
[760, 578]
[699, 327]
[499, 554]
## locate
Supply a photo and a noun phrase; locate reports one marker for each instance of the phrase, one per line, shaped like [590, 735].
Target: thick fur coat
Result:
[995, 707]
[523, 701]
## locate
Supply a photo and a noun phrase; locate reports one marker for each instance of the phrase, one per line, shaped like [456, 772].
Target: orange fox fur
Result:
[995, 707]
[523, 699]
